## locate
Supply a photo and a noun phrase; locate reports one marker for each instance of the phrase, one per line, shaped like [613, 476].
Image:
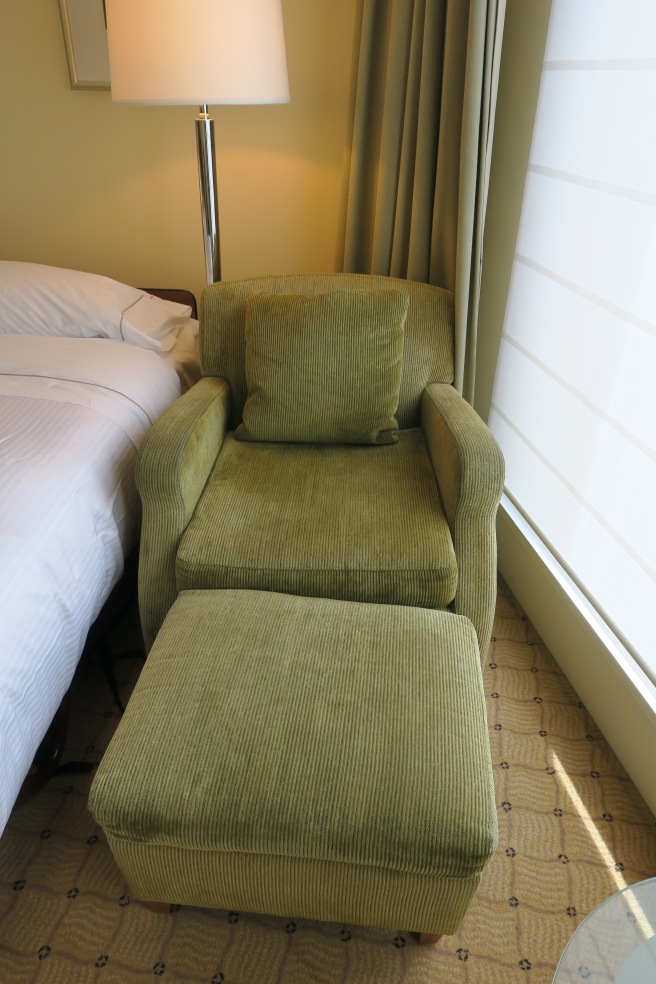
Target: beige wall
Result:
[88, 184]
[524, 38]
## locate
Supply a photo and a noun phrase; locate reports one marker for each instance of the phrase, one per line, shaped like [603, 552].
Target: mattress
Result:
[73, 413]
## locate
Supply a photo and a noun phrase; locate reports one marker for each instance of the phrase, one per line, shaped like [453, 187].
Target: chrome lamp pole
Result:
[209, 202]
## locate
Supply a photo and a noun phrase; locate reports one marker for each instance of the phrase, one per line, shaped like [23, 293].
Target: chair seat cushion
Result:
[333, 521]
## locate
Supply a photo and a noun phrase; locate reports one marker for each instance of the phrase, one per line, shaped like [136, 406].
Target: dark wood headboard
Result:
[179, 296]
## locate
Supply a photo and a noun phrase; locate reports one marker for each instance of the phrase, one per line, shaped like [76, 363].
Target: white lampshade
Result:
[197, 51]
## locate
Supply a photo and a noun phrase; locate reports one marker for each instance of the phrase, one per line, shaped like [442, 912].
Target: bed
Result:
[86, 366]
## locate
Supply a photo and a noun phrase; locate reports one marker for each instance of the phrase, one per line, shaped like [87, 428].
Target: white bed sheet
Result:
[72, 415]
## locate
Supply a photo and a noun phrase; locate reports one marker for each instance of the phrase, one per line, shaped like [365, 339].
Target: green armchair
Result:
[407, 518]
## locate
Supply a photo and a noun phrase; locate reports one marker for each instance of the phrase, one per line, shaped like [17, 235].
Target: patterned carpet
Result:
[572, 830]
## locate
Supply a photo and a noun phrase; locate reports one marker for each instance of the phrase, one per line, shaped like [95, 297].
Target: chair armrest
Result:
[469, 470]
[173, 465]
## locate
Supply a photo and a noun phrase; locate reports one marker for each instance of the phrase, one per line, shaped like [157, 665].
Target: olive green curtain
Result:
[422, 111]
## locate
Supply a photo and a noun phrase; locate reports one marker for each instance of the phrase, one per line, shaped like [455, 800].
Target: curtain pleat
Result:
[418, 160]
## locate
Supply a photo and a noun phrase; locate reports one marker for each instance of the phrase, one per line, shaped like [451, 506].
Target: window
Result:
[574, 403]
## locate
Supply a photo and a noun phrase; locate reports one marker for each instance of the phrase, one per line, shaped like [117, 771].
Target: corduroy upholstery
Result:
[324, 367]
[198, 529]
[428, 331]
[357, 523]
[304, 757]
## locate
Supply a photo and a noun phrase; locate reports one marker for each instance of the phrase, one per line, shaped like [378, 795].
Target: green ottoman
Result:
[307, 758]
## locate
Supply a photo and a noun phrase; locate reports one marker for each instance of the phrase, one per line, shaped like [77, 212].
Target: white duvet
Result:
[73, 413]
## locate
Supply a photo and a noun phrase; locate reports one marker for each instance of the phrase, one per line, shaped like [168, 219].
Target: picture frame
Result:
[85, 36]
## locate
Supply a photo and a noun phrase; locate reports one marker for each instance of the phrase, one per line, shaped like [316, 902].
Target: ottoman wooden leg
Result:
[429, 938]
[162, 907]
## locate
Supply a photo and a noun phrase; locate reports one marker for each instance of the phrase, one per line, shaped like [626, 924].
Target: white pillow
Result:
[46, 300]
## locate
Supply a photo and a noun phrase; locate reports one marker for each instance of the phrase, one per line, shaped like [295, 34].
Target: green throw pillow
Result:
[324, 368]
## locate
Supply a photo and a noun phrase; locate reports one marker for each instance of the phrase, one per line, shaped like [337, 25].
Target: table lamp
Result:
[202, 52]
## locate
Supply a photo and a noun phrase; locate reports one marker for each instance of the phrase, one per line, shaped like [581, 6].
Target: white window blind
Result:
[574, 403]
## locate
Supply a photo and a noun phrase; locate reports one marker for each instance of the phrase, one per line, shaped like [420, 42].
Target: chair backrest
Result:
[428, 344]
